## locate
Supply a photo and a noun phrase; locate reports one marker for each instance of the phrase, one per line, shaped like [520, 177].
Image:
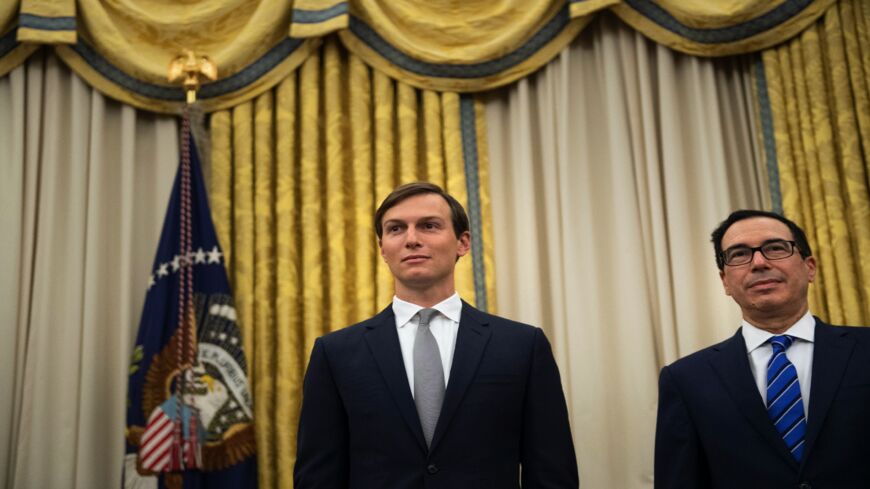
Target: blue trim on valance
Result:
[720, 35]
[301, 16]
[473, 70]
[253, 71]
[8, 42]
[112, 73]
[237, 81]
[43, 23]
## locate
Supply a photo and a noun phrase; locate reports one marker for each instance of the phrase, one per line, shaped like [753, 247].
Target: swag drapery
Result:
[321, 107]
[123, 49]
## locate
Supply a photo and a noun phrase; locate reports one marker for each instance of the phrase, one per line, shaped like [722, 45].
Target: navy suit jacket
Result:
[713, 430]
[503, 408]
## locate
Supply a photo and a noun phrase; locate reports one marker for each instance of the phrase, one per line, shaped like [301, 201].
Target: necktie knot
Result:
[780, 343]
[426, 315]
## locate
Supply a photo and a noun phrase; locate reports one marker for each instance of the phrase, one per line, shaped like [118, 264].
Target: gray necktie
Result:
[428, 376]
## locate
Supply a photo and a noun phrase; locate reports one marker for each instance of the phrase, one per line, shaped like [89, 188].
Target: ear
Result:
[724, 282]
[381, 248]
[810, 263]
[464, 244]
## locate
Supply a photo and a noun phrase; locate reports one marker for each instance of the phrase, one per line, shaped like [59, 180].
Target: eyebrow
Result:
[771, 240]
[422, 219]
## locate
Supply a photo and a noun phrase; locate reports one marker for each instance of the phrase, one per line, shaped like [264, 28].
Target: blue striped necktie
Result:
[784, 404]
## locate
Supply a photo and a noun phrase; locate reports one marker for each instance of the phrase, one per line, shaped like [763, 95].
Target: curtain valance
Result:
[123, 48]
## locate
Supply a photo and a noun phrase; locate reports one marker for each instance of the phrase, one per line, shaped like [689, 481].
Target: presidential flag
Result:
[189, 410]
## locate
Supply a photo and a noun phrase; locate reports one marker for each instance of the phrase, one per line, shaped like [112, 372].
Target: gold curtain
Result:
[12, 53]
[705, 28]
[296, 176]
[123, 48]
[445, 45]
[48, 21]
[820, 112]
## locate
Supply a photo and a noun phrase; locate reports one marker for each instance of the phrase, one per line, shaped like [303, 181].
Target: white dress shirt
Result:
[800, 354]
[444, 327]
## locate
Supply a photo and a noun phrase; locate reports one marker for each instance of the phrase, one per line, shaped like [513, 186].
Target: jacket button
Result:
[432, 469]
[805, 485]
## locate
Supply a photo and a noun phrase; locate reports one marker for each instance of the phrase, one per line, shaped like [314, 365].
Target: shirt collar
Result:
[804, 329]
[450, 307]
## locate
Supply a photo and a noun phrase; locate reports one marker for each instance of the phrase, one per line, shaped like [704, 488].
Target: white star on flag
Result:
[214, 256]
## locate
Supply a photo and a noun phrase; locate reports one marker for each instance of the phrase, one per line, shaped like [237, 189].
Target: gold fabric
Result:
[49, 22]
[820, 105]
[139, 39]
[17, 52]
[296, 176]
[445, 31]
[445, 45]
[123, 48]
[16, 56]
[705, 28]
[582, 8]
[8, 16]
[471, 46]
[463, 77]
[315, 18]
[440, 31]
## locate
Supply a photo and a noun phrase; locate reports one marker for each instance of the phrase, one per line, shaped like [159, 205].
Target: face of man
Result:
[772, 294]
[420, 246]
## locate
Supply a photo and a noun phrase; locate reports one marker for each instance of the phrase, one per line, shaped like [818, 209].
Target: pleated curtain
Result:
[609, 170]
[818, 86]
[85, 182]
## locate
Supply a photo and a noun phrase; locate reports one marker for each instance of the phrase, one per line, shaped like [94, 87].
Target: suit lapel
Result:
[732, 366]
[471, 341]
[831, 352]
[383, 341]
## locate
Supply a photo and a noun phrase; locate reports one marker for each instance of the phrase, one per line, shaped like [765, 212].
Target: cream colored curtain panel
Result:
[297, 174]
[123, 48]
[606, 246]
[84, 183]
[817, 102]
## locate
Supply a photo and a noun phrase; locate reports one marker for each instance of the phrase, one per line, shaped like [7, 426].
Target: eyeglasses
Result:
[772, 250]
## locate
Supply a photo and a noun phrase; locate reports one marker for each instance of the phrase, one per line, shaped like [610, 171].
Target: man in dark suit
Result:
[784, 403]
[432, 392]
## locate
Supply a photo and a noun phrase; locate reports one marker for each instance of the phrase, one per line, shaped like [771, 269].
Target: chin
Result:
[767, 306]
[417, 281]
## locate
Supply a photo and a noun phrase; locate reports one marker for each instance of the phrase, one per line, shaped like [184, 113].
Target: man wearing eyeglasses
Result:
[785, 402]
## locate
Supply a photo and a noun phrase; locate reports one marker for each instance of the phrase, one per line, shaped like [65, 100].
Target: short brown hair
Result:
[402, 192]
[800, 238]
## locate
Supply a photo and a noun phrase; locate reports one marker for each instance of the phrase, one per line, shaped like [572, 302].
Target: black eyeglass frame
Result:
[760, 249]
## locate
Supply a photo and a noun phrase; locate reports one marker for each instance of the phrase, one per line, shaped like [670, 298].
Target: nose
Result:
[758, 260]
[411, 240]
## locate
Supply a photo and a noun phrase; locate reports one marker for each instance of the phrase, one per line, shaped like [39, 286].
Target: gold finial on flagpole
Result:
[189, 67]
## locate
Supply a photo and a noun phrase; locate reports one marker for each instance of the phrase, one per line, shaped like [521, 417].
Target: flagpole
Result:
[189, 413]
[187, 68]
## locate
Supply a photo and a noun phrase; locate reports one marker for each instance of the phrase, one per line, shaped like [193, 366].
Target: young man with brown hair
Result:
[432, 392]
